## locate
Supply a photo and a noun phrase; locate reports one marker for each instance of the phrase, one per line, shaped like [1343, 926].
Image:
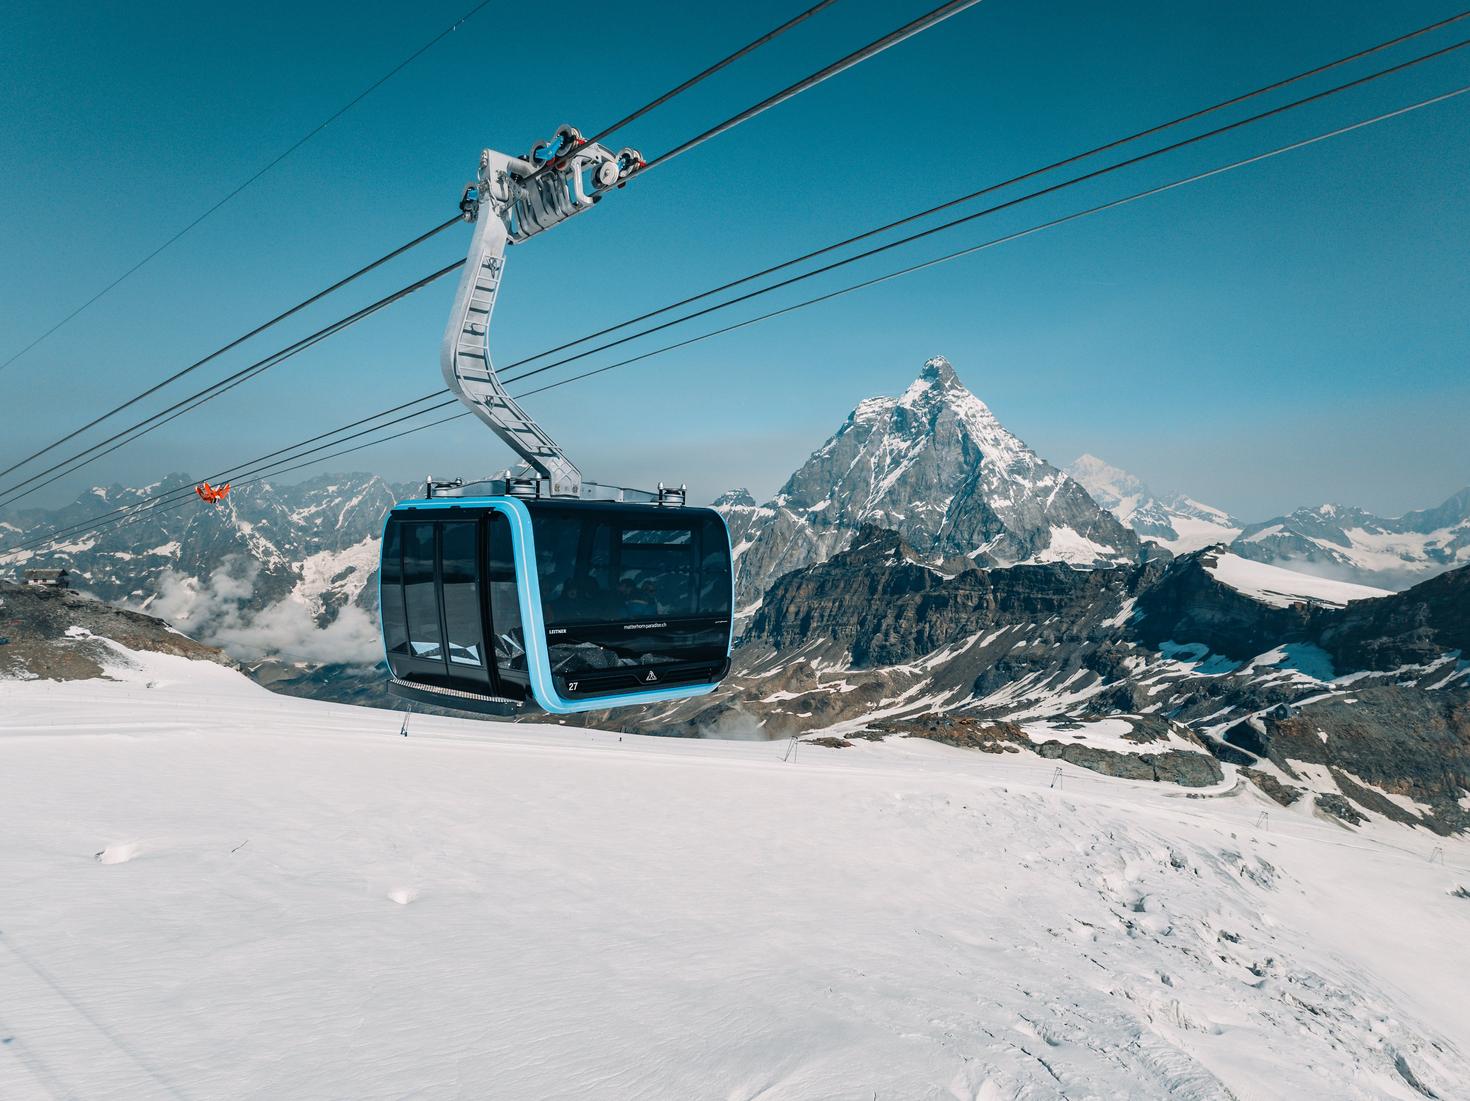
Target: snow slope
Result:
[208, 891]
[1281, 587]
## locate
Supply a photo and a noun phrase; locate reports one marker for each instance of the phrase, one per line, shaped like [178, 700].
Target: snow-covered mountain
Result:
[1179, 523]
[1349, 544]
[211, 891]
[1336, 542]
[936, 466]
[271, 570]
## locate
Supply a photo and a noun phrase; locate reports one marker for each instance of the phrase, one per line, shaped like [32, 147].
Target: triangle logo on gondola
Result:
[650, 678]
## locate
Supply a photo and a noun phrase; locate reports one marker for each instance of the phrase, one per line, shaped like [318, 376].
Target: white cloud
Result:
[214, 612]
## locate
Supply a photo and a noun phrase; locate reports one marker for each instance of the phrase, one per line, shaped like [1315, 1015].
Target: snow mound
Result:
[1281, 588]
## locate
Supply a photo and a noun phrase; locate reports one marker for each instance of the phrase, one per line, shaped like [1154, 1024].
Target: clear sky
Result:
[1289, 333]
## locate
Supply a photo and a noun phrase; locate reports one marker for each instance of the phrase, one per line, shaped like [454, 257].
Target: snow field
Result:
[207, 891]
[1281, 587]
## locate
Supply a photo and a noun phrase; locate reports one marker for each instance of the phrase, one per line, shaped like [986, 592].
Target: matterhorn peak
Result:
[939, 369]
[938, 467]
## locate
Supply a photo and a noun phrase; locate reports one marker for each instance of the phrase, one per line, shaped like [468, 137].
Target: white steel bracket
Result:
[513, 199]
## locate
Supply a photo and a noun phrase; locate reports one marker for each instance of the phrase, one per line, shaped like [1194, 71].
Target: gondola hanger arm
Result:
[512, 200]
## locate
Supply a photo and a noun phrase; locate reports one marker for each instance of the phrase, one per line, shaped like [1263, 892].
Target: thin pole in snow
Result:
[1056, 778]
[403, 730]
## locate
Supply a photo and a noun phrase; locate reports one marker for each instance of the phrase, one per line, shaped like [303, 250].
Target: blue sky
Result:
[1286, 334]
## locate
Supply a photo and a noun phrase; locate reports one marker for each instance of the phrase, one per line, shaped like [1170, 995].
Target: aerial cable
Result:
[193, 401]
[1064, 162]
[1135, 197]
[893, 38]
[1068, 183]
[957, 254]
[1191, 116]
[317, 297]
[691, 82]
[141, 509]
[183, 489]
[698, 77]
[1048, 190]
[374, 86]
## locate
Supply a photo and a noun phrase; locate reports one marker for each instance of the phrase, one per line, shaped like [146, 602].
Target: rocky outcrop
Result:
[1191, 770]
[55, 634]
[1377, 741]
[882, 603]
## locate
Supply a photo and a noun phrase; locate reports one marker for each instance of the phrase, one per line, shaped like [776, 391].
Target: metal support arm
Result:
[513, 199]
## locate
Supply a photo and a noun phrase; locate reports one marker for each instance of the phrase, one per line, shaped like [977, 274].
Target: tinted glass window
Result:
[395, 625]
[505, 604]
[631, 586]
[418, 591]
[606, 566]
[458, 546]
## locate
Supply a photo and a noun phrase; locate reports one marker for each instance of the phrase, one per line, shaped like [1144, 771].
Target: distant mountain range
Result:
[272, 570]
[1333, 541]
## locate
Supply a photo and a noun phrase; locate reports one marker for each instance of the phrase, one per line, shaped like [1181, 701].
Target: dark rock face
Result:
[910, 609]
[54, 634]
[964, 733]
[1408, 628]
[1187, 603]
[1191, 770]
[1401, 740]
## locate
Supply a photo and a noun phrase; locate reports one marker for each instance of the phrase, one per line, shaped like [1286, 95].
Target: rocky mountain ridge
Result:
[878, 639]
[55, 634]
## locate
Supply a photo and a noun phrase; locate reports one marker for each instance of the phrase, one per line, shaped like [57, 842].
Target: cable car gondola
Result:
[540, 586]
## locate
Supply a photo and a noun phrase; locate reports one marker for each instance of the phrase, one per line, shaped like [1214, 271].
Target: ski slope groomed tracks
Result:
[207, 891]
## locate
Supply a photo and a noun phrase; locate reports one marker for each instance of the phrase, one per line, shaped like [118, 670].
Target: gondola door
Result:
[460, 606]
[433, 611]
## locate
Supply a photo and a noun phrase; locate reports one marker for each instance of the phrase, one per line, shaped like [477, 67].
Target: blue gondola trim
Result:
[533, 626]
